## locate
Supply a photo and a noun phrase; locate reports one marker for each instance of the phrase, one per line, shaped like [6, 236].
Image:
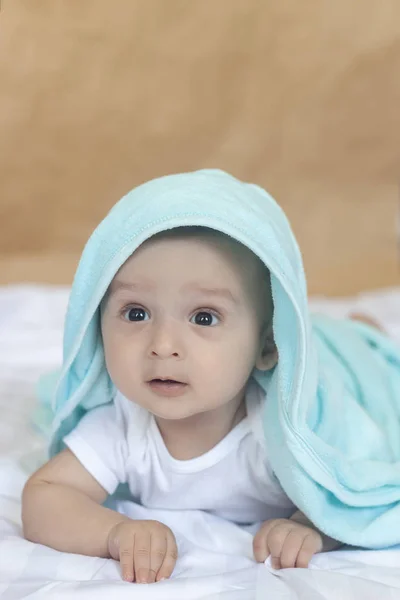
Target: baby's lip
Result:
[166, 378]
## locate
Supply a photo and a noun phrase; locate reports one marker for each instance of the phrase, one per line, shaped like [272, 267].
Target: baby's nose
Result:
[165, 342]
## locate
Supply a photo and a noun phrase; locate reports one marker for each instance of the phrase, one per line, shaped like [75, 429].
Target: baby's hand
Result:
[146, 550]
[289, 543]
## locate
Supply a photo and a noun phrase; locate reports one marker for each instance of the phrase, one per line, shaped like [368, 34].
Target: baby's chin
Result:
[173, 409]
[172, 413]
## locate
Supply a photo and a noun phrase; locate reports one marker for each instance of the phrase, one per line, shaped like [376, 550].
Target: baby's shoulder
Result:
[255, 405]
[132, 420]
[120, 419]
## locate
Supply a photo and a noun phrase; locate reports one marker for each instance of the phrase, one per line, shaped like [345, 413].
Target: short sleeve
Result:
[99, 443]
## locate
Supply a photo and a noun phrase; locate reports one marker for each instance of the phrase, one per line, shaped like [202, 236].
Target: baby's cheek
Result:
[226, 373]
[118, 361]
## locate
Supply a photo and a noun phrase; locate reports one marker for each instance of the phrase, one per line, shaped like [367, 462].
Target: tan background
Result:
[303, 98]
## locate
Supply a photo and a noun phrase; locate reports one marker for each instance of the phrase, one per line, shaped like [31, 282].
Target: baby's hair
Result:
[190, 231]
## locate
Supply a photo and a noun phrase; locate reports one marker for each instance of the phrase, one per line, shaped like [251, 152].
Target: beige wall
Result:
[303, 98]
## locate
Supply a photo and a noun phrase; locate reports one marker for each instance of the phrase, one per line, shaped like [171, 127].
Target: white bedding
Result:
[215, 559]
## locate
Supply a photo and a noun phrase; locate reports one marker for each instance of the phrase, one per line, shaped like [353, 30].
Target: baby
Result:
[184, 323]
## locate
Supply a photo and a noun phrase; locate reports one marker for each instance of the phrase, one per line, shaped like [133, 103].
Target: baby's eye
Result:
[135, 314]
[204, 318]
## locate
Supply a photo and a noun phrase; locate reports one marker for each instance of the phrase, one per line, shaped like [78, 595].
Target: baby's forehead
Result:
[204, 235]
[253, 275]
[224, 247]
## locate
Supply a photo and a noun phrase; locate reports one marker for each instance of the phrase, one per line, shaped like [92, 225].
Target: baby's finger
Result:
[126, 557]
[157, 553]
[307, 550]
[170, 558]
[260, 548]
[275, 542]
[291, 549]
[141, 555]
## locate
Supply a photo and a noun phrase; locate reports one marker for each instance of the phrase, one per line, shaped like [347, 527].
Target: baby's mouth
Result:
[167, 387]
[166, 382]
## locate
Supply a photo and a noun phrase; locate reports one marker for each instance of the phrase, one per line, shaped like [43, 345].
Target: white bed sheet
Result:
[215, 558]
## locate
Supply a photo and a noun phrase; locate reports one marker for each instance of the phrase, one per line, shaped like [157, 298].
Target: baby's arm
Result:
[61, 508]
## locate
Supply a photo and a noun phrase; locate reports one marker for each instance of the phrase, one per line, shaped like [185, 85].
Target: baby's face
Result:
[189, 310]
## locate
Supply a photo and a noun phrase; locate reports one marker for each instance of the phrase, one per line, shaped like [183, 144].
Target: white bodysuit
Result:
[121, 443]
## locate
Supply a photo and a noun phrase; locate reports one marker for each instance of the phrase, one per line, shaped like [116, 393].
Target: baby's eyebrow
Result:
[224, 293]
[132, 286]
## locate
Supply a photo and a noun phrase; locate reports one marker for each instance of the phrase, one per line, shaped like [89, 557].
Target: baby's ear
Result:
[268, 353]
